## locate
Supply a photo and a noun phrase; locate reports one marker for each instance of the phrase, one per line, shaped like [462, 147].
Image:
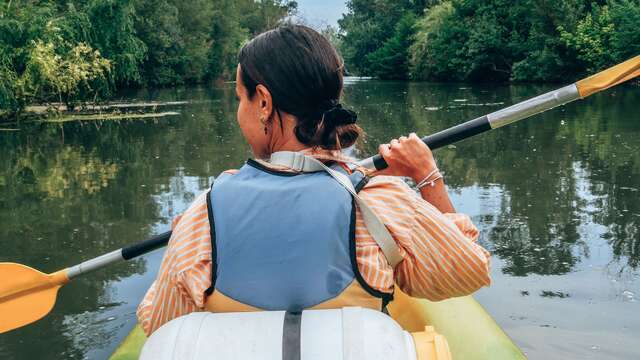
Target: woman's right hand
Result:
[407, 156]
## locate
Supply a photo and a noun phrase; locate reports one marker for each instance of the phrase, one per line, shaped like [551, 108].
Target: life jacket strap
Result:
[303, 163]
[296, 161]
[292, 336]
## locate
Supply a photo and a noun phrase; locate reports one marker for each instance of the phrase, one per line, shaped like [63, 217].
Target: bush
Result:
[607, 35]
[75, 50]
[499, 40]
[51, 74]
[438, 40]
[369, 26]
[390, 61]
[591, 40]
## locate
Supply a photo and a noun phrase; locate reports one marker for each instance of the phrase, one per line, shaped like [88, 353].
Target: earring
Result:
[265, 125]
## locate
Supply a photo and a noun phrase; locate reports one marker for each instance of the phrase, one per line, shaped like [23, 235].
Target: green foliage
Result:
[7, 88]
[470, 40]
[227, 36]
[114, 34]
[235, 22]
[259, 16]
[605, 36]
[367, 26]
[46, 57]
[591, 39]
[491, 40]
[433, 54]
[195, 19]
[625, 15]
[75, 50]
[157, 24]
[51, 74]
[390, 61]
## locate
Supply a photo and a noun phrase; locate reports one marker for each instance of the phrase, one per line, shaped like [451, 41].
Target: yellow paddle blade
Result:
[26, 294]
[610, 77]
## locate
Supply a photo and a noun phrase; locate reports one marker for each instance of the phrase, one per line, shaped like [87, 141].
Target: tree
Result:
[226, 38]
[433, 54]
[262, 15]
[625, 15]
[195, 19]
[114, 34]
[481, 40]
[605, 36]
[63, 76]
[367, 25]
[158, 27]
[390, 61]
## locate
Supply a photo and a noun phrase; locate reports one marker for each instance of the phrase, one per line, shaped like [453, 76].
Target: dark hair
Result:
[303, 73]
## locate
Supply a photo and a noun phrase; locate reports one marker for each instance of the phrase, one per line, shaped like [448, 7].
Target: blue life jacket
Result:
[283, 240]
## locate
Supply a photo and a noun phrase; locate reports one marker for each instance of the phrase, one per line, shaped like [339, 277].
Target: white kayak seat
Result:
[351, 333]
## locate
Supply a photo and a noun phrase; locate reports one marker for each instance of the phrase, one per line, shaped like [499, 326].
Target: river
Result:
[557, 199]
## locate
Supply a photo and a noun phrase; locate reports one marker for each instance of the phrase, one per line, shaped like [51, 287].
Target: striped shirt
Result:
[441, 258]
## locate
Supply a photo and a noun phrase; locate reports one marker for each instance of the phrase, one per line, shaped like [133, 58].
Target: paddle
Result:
[579, 90]
[26, 294]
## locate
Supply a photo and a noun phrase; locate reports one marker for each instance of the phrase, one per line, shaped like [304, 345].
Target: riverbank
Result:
[93, 112]
[116, 109]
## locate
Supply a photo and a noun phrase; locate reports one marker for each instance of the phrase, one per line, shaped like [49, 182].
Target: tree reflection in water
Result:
[559, 172]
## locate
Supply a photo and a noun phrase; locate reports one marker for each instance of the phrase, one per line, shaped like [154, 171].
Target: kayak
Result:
[471, 332]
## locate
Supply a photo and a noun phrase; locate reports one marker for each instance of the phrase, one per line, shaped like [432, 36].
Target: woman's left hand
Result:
[407, 156]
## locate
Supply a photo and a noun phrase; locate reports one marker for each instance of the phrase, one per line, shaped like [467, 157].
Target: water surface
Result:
[556, 198]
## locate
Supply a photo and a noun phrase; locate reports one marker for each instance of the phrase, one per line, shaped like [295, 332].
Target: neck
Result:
[283, 137]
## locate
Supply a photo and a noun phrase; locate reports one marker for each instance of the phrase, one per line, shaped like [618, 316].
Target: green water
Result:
[557, 198]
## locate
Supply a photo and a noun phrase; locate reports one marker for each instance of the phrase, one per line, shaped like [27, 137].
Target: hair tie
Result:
[337, 115]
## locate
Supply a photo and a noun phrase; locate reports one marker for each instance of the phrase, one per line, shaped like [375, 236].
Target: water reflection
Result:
[545, 192]
[575, 165]
[72, 192]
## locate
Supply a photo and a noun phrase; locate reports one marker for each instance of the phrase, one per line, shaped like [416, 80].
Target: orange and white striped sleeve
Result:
[441, 256]
[185, 273]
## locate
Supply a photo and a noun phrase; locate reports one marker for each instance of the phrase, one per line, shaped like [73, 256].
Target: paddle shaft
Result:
[603, 80]
[126, 253]
[488, 122]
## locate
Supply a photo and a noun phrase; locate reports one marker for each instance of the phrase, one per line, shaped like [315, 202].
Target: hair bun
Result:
[337, 115]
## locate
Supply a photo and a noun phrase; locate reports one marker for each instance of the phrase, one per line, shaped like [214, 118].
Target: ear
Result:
[265, 102]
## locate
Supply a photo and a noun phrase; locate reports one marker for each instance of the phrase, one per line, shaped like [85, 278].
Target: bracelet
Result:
[430, 179]
[431, 182]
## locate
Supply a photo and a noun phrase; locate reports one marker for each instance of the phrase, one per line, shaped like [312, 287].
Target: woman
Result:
[270, 237]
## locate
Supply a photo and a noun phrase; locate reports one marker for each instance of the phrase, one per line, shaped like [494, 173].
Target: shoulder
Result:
[391, 190]
[392, 200]
[230, 172]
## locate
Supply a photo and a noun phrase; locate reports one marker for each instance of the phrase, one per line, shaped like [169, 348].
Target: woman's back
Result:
[288, 83]
[440, 256]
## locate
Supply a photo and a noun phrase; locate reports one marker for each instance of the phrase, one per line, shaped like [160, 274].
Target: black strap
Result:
[291, 339]
[386, 297]
[214, 251]
[362, 183]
